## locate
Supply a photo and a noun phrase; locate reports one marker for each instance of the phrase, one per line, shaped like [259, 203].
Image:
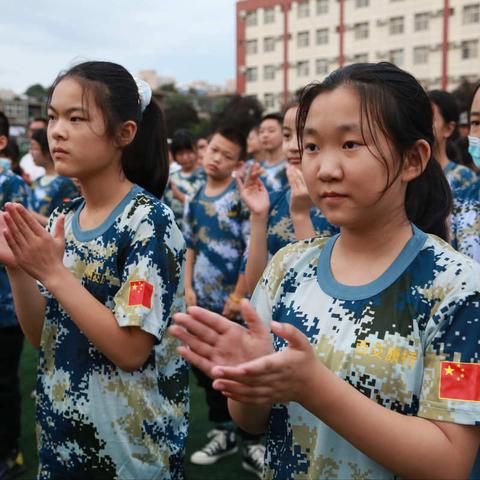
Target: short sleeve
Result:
[188, 223]
[450, 388]
[151, 288]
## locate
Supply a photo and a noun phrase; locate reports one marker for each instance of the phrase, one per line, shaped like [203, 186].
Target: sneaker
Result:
[222, 444]
[253, 458]
[12, 466]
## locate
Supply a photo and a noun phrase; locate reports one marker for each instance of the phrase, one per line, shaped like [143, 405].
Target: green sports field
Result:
[227, 469]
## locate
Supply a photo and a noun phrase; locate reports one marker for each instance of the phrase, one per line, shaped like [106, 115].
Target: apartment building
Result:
[284, 44]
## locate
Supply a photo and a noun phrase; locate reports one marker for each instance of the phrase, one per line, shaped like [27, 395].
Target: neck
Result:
[274, 157]
[217, 185]
[188, 169]
[440, 154]
[50, 169]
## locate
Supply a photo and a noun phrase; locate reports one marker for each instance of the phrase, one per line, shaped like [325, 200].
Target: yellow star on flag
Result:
[449, 370]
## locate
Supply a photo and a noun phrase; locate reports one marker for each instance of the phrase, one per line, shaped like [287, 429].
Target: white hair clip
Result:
[144, 92]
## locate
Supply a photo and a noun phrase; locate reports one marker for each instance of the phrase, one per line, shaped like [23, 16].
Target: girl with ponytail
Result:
[96, 292]
[372, 370]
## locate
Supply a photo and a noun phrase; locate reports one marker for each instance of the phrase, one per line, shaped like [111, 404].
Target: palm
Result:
[255, 197]
[6, 255]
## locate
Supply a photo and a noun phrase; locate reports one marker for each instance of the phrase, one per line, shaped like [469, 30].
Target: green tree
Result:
[37, 91]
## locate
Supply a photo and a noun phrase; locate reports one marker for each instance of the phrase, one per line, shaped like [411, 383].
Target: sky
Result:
[187, 39]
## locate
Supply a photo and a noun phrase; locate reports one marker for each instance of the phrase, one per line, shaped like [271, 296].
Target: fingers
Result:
[254, 322]
[13, 231]
[198, 329]
[60, 228]
[239, 389]
[212, 320]
[296, 339]
[196, 360]
[19, 212]
[194, 344]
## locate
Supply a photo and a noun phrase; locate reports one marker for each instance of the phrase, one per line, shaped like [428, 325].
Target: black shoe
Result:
[253, 458]
[222, 444]
[12, 466]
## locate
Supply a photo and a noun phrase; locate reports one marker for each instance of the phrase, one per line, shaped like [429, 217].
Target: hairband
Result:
[144, 93]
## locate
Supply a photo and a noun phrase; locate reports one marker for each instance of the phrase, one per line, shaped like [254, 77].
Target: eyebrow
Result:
[475, 113]
[70, 110]
[345, 128]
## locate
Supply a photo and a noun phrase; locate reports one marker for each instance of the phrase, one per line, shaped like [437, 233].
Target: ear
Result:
[416, 160]
[126, 133]
[449, 129]
[3, 142]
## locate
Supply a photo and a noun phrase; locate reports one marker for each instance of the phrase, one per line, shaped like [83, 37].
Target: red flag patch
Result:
[460, 381]
[140, 293]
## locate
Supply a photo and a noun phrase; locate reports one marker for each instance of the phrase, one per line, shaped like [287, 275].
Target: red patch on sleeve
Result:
[140, 293]
[460, 381]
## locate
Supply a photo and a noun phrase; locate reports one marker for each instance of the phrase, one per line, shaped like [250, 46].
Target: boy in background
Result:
[216, 228]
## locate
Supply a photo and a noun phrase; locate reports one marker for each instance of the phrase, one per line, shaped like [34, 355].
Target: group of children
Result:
[358, 354]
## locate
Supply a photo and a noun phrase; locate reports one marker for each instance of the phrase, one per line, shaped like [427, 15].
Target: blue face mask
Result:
[474, 149]
[5, 163]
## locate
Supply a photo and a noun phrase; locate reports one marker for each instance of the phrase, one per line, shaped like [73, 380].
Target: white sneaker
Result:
[253, 458]
[222, 444]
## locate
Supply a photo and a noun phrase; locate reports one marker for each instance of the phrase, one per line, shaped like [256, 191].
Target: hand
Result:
[300, 201]
[177, 193]
[253, 191]
[190, 297]
[276, 378]
[6, 254]
[35, 250]
[210, 339]
[231, 309]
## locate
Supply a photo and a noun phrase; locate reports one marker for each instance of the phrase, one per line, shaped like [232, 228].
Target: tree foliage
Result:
[37, 91]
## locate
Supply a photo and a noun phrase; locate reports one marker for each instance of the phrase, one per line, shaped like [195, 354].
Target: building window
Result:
[303, 39]
[303, 10]
[268, 72]
[322, 36]
[321, 66]
[269, 15]
[360, 58]
[471, 14]
[269, 100]
[252, 18]
[396, 57]
[252, 47]
[252, 74]
[322, 7]
[303, 68]
[269, 44]
[421, 22]
[420, 55]
[361, 30]
[361, 3]
[469, 49]
[396, 25]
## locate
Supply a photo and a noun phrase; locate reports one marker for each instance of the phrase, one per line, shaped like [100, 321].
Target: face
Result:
[222, 158]
[270, 135]
[202, 146]
[441, 129]
[35, 125]
[344, 172]
[475, 115]
[77, 135]
[186, 158]
[36, 153]
[290, 139]
[253, 142]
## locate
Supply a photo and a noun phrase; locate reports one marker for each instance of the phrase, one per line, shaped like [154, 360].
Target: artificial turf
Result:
[227, 469]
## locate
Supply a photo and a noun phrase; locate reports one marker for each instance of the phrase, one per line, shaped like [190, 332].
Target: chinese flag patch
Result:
[460, 381]
[140, 293]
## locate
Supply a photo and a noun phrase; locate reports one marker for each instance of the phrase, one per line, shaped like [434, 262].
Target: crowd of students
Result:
[321, 275]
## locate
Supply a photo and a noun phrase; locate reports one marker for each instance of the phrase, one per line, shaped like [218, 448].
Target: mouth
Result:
[332, 195]
[294, 160]
[58, 150]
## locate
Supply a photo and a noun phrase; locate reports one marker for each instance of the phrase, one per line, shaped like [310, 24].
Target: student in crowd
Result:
[279, 218]
[445, 119]
[255, 149]
[185, 182]
[216, 230]
[32, 171]
[12, 189]
[270, 134]
[201, 146]
[50, 190]
[466, 212]
[373, 371]
[112, 399]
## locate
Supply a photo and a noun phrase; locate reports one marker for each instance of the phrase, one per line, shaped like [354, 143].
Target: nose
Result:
[329, 167]
[57, 129]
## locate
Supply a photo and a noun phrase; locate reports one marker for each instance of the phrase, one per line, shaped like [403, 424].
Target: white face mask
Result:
[474, 149]
[5, 163]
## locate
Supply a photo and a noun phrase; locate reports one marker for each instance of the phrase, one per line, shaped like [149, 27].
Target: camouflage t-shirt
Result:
[459, 177]
[275, 176]
[95, 420]
[401, 340]
[465, 222]
[50, 191]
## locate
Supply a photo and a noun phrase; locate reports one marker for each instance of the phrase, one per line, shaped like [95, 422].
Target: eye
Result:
[475, 123]
[350, 145]
[51, 117]
[310, 147]
[76, 119]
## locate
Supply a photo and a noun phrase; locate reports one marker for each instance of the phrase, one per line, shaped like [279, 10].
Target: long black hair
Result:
[392, 101]
[145, 159]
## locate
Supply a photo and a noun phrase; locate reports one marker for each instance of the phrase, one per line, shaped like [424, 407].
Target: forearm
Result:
[125, 347]
[251, 418]
[240, 289]
[29, 304]
[302, 225]
[189, 263]
[257, 253]
[386, 436]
